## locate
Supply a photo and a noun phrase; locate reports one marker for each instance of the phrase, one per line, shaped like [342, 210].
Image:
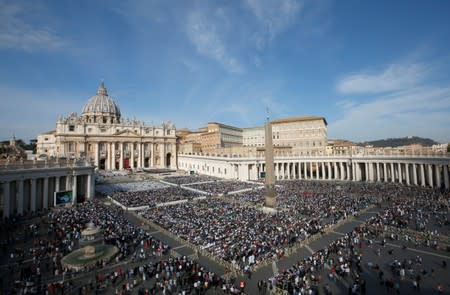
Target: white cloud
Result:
[17, 33]
[275, 16]
[422, 111]
[203, 34]
[394, 77]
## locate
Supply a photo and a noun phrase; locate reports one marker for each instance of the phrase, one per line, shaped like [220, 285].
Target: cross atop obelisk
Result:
[270, 177]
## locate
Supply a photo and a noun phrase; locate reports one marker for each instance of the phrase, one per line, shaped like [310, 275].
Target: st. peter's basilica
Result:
[113, 143]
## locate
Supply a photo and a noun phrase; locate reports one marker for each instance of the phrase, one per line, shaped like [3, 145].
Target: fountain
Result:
[93, 250]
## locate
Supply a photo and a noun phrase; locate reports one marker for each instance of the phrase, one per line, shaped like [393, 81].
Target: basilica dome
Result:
[101, 108]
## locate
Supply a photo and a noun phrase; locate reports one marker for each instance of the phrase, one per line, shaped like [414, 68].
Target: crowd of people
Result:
[153, 197]
[245, 235]
[222, 187]
[187, 179]
[112, 188]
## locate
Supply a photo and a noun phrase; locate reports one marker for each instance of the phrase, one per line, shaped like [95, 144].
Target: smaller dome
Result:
[101, 104]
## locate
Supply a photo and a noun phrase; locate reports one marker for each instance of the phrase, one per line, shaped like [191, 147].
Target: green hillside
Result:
[395, 142]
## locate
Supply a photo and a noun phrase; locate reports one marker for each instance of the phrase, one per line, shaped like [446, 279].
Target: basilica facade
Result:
[111, 142]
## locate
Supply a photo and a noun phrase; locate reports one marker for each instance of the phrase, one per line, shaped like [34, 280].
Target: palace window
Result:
[71, 128]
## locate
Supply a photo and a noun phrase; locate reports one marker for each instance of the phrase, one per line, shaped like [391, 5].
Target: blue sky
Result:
[373, 69]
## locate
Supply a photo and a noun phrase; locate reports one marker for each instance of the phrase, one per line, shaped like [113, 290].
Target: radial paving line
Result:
[274, 268]
[309, 249]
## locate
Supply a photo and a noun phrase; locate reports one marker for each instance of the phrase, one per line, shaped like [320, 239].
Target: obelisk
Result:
[270, 177]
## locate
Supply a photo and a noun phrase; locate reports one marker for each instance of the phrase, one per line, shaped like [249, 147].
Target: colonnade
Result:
[32, 189]
[431, 171]
[423, 174]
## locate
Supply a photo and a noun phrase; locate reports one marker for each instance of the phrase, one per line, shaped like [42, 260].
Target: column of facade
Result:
[74, 190]
[33, 195]
[430, 174]
[353, 171]
[139, 164]
[132, 155]
[348, 176]
[152, 155]
[422, 174]
[6, 199]
[45, 198]
[20, 200]
[446, 180]
[438, 175]
[121, 155]
[89, 187]
[96, 148]
[311, 173]
[113, 156]
[108, 156]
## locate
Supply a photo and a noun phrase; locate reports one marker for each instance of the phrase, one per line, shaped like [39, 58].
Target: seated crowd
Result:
[223, 186]
[153, 197]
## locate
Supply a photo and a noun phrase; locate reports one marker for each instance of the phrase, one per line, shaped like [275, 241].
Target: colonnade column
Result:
[438, 175]
[311, 171]
[430, 174]
[45, 198]
[400, 176]
[121, 155]
[289, 170]
[385, 178]
[335, 170]
[414, 171]
[6, 199]
[446, 181]
[33, 195]
[408, 181]
[305, 169]
[392, 172]
[323, 170]
[74, 190]
[366, 167]
[329, 170]
[21, 197]
[378, 172]
[422, 174]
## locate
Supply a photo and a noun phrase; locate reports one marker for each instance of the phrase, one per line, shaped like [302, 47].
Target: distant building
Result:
[112, 142]
[303, 135]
